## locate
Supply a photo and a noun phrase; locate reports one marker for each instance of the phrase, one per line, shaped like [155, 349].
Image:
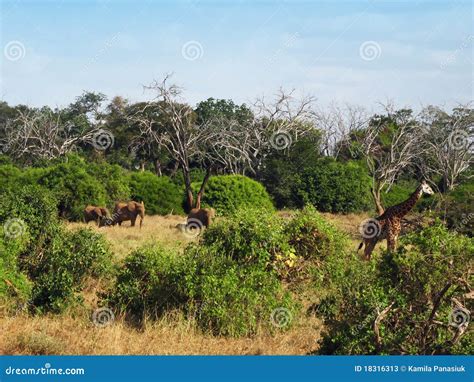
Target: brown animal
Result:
[127, 211]
[203, 215]
[96, 214]
[388, 225]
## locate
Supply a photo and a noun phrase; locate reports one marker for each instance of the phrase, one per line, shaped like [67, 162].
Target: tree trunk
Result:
[189, 191]
[142, 166]
[158, 168]
[203, 186]
[377, 200]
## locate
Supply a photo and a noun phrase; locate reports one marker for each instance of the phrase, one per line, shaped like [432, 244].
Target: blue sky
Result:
[361, 52]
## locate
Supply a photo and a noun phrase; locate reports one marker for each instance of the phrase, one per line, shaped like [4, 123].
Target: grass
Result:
[74, 332]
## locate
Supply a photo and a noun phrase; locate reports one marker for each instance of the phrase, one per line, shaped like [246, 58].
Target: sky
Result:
[360, 52]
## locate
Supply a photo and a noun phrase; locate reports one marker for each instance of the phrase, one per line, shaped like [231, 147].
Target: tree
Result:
[220, 136]
[449, 144]
[391, 144]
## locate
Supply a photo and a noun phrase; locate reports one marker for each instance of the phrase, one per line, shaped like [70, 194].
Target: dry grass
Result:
[74, 332]
[67, 335]
[124, 239]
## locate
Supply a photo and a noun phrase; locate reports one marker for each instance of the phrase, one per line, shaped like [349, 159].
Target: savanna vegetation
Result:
[277, 271]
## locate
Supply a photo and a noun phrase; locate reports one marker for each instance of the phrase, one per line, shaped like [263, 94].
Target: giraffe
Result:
[388, 225]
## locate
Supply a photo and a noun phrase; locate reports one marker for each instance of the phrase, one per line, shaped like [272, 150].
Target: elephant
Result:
[95, 213]
[204, 215]
[127, 211]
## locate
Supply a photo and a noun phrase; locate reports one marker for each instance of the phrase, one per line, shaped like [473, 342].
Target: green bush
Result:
[73, 187]
[149, 283]
[313, 237]
[31, 210]
[15, 288]
[334, 187]
[114, 178]
[227, 282]
[415, 288]
[228, 193]
[160, 195]
[59, 270]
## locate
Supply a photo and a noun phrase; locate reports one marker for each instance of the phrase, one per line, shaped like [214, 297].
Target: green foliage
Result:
[60, 270]
[74, 188]
[281, 169]
[227, 282]
[32, 208]
[160, 195]
[460, 210]
[417, 285]
[334, 187]
[149, 283]
[15, 288]
[313, 237]
[228, 193]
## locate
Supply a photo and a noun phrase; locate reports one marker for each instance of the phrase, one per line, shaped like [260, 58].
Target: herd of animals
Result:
[388, 224]
[130, 211]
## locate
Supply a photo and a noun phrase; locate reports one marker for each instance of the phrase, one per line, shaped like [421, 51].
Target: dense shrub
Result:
[114, 179]
[334, 187]
[60, 269]
[460, 209]
[227, 282]
[160, 195]
[31, 210]
[15, 288]
[74, 188]
[313, 237]
[227, 193]
[415, 288]
[281, 169]
[149, 283]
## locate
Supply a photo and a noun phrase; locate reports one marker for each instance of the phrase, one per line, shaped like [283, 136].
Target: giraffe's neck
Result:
[408, 204]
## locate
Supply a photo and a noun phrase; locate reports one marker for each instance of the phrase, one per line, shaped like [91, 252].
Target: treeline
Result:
[340, 159]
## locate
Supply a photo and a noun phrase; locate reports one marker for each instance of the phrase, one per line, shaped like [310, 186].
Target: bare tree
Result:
[391, 144]
[217, 143]
[449, 142]
[337, 124]
[43, 134]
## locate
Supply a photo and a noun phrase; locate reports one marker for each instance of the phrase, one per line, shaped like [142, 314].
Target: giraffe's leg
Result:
[391, 242]
[369, 247]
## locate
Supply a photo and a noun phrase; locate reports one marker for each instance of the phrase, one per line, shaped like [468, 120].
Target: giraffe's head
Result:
[425, 188]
